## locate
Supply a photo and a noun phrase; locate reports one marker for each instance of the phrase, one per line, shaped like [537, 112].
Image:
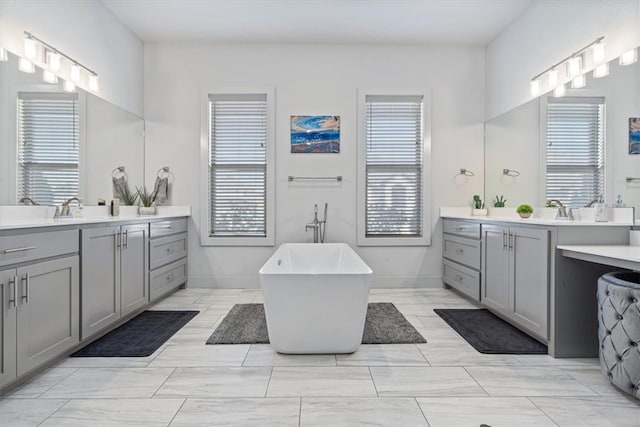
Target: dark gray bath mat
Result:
[384, 324]
[140, 336]
[489, 334]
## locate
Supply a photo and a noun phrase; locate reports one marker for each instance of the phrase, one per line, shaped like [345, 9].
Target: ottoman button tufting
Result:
[620, 317]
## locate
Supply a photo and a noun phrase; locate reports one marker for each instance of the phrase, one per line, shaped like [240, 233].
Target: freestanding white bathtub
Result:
[315, 298]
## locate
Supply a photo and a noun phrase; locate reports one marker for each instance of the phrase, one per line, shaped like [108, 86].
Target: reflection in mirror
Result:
[517, 140]
[55, 145]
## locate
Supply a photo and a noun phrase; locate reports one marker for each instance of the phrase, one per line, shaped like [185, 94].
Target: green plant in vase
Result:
[478, 206]
[146, 199]
[524, 211]
[129, 198]
[499, 202]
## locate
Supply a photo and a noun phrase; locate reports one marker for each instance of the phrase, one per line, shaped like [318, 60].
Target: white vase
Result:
[480, 212]
[146, 210]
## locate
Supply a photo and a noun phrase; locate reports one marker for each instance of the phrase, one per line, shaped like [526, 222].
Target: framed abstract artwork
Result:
[315, 134]
[634, 135]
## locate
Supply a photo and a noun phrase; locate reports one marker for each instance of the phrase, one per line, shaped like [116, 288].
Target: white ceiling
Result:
[468, 22]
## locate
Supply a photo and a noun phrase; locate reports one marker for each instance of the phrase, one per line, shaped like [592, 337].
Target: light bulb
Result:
[575, 66]
[578, 82]
[49, 76]
[559, 91]
[27, 66]
[629, 57]
[3, 54]
[601, 70]
[53, 60]
[30, 48]
[535, 87]
[597, 52]
[93, 83]
[69, 86]
[553, 78]
[75, 73]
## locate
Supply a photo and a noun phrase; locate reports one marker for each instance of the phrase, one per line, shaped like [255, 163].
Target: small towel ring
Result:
[164, 172]
[510, 172]
[119, 172]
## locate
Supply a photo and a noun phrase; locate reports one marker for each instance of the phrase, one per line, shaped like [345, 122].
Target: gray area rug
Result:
[384, 324]
[488, 333]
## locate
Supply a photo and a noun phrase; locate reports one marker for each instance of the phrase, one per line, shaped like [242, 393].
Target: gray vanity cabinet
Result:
[47, 319]
[8, 329]
[114, 274]
[134, 289]
[515, 276]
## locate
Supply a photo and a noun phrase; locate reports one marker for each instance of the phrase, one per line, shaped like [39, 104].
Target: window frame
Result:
[362, 238]
[205, 183]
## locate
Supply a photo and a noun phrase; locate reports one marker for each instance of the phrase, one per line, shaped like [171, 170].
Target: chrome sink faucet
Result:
[562, 210]
[27, 200]
[66, 212]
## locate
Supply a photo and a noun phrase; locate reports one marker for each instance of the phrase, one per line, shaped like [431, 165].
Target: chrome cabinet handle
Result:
[169, 278]
[504, 240]
[511, 239]
[460, 251]
[171, 250]
[126, 239]
[459, 278]
[14, 292]
[25, 279]
[167, 226]
[26, 248]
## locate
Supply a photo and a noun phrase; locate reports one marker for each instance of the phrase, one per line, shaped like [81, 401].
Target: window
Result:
[393, 208]
[575, 149]
[238, 170]
[48, 139]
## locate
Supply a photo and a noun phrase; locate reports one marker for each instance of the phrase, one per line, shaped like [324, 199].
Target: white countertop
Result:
[624, 256]
[20, 217]
[623, 217]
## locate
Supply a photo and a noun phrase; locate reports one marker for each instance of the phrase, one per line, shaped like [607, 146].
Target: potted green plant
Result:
[146, 199]
[478, 206]
[499, 202]
[524, 211]
[128, 197]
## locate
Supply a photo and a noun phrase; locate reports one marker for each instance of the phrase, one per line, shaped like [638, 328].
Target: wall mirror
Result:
[517, 140]
[107, 137]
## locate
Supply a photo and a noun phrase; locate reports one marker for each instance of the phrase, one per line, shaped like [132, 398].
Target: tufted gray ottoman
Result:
[619, 329]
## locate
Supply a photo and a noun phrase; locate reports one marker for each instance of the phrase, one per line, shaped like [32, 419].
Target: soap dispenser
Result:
[600, 214]
[619, 202]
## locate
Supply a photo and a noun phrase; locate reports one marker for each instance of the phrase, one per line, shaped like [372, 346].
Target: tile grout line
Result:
[244, 359]
[542, 410]
[177, 412]
[476, 381]
[153, 395]
[300, 412]
[375, 387]
[266, 391]
[54, 412]
[421, 411]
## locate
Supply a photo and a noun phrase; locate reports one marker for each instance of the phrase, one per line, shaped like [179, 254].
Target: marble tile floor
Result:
[444, 382]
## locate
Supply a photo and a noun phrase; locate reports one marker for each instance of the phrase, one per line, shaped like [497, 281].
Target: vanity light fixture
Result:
[69, 86]
[53, 60]
[559, 91]
[579, 82]
[629, 57]
[601, 70]
[49, 76]
[30, 46]
[597, 52]
[27, 66]
[74, 73]
[574, 65]
[3, 55]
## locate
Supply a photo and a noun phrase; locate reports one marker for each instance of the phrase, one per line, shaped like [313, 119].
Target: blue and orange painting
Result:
[634, 135]
[315, 134]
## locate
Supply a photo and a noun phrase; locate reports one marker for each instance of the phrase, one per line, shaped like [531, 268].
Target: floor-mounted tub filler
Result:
[315, 298]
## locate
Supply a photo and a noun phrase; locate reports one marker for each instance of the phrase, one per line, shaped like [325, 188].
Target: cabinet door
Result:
[530, 275]
[134, 290]
[100, 278]
[47, 319]
[495, 268]
[8, 297]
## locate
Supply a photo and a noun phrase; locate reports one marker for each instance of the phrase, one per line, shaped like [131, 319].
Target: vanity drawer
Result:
[462, 250]
[28, 247]
[167, 249]
[462, 278]
[167, 278]
[461, 228]
[166, 228]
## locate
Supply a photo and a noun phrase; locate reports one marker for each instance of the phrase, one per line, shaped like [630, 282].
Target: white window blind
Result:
[48, 139]
[238, 165]
[575, 149]
[394, 165]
